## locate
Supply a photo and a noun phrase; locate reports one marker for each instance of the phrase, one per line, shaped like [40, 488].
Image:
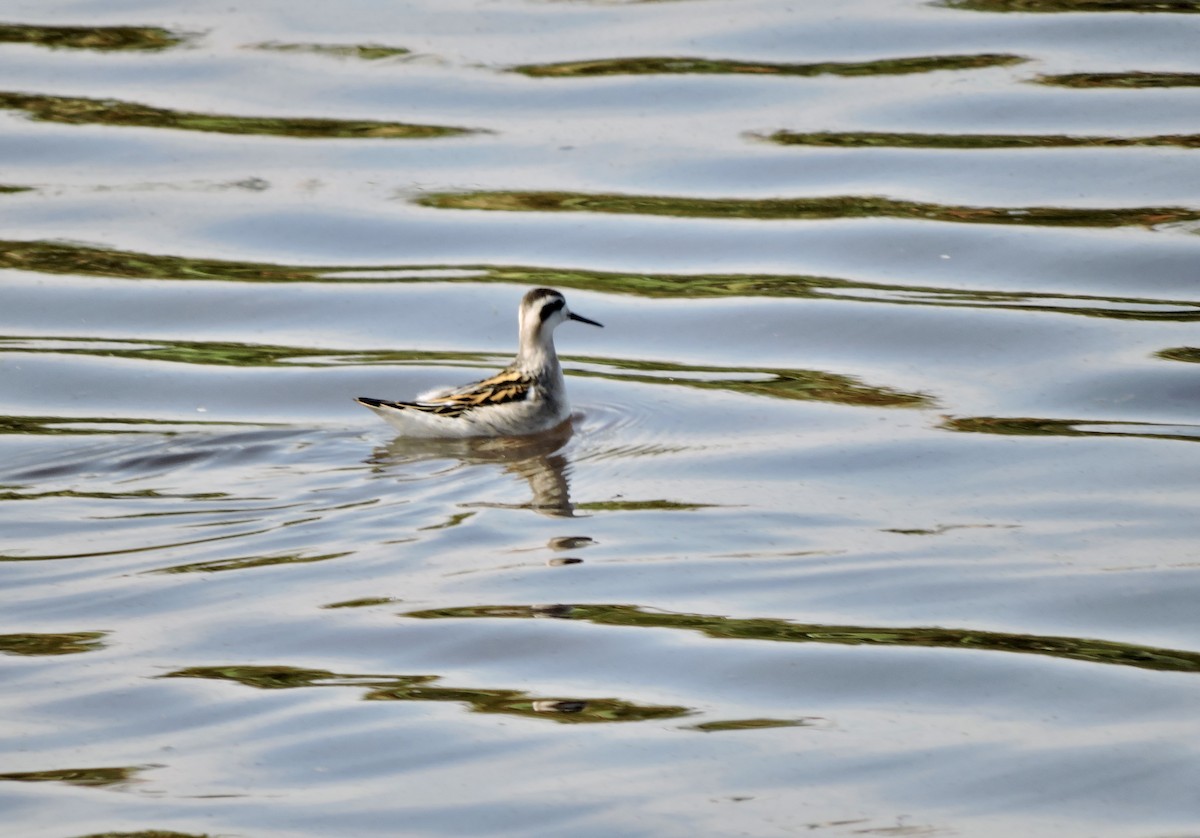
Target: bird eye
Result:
[550, 308]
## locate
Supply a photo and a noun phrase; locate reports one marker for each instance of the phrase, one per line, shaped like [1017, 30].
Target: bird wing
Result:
[505, 387]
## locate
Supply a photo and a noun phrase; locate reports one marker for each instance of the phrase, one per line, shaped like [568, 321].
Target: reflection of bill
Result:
[539, 460]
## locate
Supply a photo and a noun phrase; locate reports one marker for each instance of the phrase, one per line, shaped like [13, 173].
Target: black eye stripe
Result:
[550, 308]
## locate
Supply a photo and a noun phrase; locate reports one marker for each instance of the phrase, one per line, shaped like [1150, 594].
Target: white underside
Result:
[531, 416]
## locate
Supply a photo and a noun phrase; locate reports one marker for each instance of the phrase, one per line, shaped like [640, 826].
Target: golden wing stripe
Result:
[503, 388]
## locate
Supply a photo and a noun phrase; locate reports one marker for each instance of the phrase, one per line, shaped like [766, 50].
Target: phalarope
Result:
[527, 397]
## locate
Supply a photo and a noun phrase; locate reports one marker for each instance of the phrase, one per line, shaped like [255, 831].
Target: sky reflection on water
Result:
[877, 512]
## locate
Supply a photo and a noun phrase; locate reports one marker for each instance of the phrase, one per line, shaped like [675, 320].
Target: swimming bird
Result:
[527, 397]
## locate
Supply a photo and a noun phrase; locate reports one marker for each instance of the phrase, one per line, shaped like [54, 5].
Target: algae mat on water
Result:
[87, 777]
[804, 209]
[1033, 426]
[658, 65]
[80, 111]
[785, 631]
[886, 139]
[101, 38]
[1125, 80]
[791, 384]
[53, 257]
[40, 645]
[1059, 6]
[423, 688]
[366, 52]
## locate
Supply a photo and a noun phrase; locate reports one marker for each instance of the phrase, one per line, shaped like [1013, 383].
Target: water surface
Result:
[877, 512]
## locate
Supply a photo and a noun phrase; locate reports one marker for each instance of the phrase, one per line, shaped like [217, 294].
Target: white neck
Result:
[537, 346]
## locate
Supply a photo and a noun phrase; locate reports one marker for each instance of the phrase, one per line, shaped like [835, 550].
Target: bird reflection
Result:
[539, 460]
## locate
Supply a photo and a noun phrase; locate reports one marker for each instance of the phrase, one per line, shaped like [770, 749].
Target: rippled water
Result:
[877, 514]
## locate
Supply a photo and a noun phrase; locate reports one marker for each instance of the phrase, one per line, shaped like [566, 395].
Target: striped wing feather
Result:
[505, 387]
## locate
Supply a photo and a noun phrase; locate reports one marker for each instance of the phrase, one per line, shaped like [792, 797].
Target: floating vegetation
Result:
[751, 724]
[366, 52]
[35, 645]
[181, 352]
[365, 602]
[941, 529]
[708, 66]
[105, 38]
[785, 631]
[1187, 354]
[56, 257]
[805, 385]
[804, 209]
[1169, 6]
[642, 505]
[800, 286]
[424, 688]
[82, 260]
[884, 139]
[79, 111]
[7, 189]
[453, 521]
[1020, 426]
[9, 493]
[78, 425]
[87, 777]
[218, 565]
[1127, 80]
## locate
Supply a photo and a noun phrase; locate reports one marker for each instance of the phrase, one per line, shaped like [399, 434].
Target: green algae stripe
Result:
[648, 66]
[79, 111]
[53, 257]
[86, 777]
[1031, 426]
[1052, 6]
[67, 643]
[214, 353]
[750, 724]
[1187, 354]
[424, 688]
[884, 139]
[225, 354]
[794, 384]
[60, 257]
[1125, 80]
[364, 602]
[247, 563]
[103, 38]
[10, 493]
[804, 209]
[8, 189]
[366, 52]
[785, 631]
[802, 385]
[80, 425]
[643, 506]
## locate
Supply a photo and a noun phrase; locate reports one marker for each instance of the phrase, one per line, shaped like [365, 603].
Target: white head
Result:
[542, 309]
